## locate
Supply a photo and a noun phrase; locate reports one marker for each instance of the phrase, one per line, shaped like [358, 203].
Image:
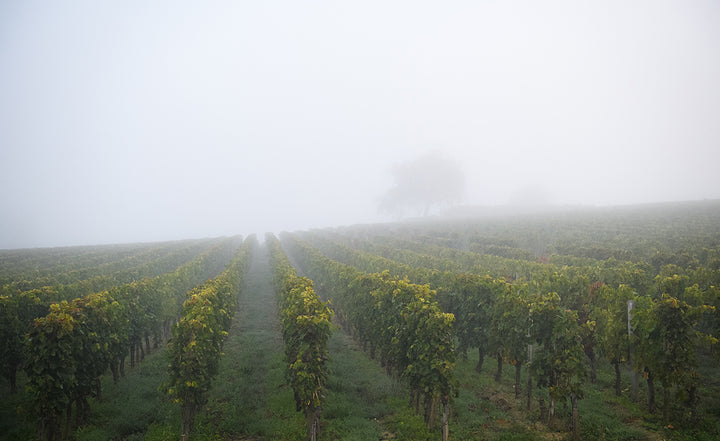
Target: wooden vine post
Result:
[633, 373]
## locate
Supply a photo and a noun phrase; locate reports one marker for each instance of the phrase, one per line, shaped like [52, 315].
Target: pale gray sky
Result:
[140, 121]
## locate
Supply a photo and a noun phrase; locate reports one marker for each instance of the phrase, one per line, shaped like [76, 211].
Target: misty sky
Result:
[142, 121]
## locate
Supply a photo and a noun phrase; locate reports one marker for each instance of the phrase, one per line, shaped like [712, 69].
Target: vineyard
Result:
[594, 324]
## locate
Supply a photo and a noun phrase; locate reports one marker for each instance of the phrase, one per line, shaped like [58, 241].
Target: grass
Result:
[605, 418]
[486, 410]
[125, 412]
[249, 399]
[132, 406]
[364, 403]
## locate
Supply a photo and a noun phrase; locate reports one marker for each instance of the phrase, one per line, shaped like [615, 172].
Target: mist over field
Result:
[146, 121]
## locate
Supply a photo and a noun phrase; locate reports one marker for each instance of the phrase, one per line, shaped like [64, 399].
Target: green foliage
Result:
[610, 315]
[400, 320]
[67, 352]
[631, 256]
[559, 361]
[16, 314]
[53, 350]
[68, 349]
[611, 321]
[307, 326]
[474, 300]
[198, 337]
[512, 322]
[667, 338]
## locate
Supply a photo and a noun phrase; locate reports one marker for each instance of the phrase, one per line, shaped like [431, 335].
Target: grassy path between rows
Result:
[250, 399]
[135, 408]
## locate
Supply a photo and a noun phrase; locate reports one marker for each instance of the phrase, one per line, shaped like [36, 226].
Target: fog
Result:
[142, 121]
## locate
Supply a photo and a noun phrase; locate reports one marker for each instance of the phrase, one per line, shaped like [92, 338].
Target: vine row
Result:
[194, 350]
[69, 348]
[307, 326]
[399, 320]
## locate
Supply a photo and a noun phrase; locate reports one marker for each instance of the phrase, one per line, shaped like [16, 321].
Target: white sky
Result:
[141, 121]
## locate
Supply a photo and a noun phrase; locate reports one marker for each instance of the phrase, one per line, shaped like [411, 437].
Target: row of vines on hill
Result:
[399, 322]
[676, 309]
[682, 234]
[55, 287]
[194, 350]
[19, 308]
[70, 347]
[63, 282]
[496, 318]
[307, 325]
[54, 264]
[558, 319]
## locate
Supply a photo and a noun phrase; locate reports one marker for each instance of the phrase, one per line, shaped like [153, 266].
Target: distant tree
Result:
[422, 184]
